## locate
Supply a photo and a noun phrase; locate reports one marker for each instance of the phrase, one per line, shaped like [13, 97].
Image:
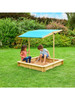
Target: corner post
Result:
[53, 47]
[29, 45]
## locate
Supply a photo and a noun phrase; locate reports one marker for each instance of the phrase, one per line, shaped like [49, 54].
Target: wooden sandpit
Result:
[50, 63]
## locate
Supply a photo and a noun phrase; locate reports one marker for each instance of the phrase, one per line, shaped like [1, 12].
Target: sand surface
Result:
[40, 63]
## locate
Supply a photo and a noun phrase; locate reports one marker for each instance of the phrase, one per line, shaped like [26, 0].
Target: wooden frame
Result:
[43, 68]
[29, 45]
[52, 33]
[53, 47]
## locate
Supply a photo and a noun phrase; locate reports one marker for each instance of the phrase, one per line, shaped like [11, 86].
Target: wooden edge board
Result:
[52, 33]
[47, 35]
[53, 63]
[48, 58]
[40, 65]
[57, 31]
[29, 64]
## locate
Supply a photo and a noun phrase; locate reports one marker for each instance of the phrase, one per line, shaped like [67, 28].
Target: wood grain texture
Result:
[52, 33]
[29, 45]
[53, 47]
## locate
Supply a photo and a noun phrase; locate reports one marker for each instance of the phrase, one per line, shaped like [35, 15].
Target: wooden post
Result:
[29, 45]
[53, 47]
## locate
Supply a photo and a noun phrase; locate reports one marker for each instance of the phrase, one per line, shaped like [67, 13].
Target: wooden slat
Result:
[48, 35]
[29, 64]
[52, 33]
[53, 47]
[29, 45]
[31, 67]
[60, 60]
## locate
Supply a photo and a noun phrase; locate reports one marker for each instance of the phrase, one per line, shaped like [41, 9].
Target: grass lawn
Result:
[13, 76]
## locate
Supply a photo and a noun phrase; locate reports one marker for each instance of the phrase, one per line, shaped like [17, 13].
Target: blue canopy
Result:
[39, 33]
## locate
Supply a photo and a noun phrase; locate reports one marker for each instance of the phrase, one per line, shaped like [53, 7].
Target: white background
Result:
[37, 5]
[37, 93]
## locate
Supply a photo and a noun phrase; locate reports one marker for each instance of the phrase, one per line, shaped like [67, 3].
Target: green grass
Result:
[13, 76]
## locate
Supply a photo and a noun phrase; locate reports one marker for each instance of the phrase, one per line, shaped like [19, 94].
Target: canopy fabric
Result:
[39, 33]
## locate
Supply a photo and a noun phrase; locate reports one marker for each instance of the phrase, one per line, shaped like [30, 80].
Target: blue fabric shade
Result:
[39, 33]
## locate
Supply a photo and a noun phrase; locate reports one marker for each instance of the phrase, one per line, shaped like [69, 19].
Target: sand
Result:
[41, 63]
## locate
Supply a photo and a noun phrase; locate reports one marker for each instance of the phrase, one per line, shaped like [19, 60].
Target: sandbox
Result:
[50, 63]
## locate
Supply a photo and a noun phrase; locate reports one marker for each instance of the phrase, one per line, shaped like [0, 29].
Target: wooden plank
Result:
[48, 35]
[36, 68]
[53, 47]
[52, 33]
[18, 64]
[62, 62]
[29, 45]
[43, 69]
[29, 64]
[48, 58]
[31, 67]
[53, 65]
[49, 67]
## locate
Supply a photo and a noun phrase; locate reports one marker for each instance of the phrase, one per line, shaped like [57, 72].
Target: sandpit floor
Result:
[48, 61]
[41, 63]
